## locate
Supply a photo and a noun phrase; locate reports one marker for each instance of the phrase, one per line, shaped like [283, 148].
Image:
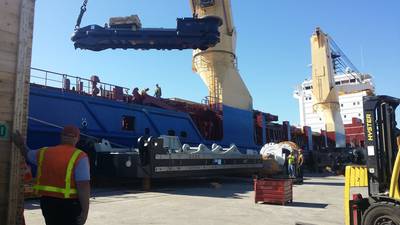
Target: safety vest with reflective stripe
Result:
[291, 159]
[55, 173]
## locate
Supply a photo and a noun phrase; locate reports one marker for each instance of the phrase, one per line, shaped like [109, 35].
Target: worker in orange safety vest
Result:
[63, 178]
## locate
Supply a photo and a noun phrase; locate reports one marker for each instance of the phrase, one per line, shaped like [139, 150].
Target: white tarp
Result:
[277, 151]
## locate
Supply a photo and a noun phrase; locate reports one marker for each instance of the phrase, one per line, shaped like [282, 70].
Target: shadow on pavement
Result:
[307, 205]
[222, 187]
[329, 176]
[217, 187]
[324, 183]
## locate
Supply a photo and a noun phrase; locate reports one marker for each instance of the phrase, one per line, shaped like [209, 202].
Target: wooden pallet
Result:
[275, 191]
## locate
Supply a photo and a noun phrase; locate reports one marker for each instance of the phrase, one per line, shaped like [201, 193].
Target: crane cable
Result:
[82, 134]
[194, 9]
[344, 61]
[82, 12]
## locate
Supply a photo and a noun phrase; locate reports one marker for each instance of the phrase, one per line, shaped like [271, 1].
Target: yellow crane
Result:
[217, 66]
[325, 96]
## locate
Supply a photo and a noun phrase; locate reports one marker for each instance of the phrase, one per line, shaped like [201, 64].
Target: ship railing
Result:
[64, 82]
[214, 103]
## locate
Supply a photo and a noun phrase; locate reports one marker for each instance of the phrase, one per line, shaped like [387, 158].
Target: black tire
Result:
[382, 213]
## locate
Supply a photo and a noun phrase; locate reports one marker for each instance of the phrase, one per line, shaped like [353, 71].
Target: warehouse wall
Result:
[16, 30]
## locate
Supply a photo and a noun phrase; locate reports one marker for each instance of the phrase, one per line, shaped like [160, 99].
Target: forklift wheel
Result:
[382, 213]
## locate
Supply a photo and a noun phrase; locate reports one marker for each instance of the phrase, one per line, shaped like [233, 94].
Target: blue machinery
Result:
[190, 33]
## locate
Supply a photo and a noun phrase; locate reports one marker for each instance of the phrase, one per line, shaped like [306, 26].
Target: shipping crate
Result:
[276, 191]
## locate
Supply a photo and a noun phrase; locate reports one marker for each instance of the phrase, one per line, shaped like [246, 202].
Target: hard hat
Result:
[70, 131]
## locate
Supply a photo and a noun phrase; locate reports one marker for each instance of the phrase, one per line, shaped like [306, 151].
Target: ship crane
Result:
[210, 33]
[217, 66]
[325, 95]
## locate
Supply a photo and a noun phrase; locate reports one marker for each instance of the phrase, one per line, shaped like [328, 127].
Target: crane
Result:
[217, 66]
[325, 96]
[210, 33]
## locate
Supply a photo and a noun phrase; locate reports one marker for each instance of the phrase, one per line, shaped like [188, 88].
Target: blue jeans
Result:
[291, 170]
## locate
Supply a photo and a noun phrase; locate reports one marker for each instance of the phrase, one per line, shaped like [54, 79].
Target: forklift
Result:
[381, 173]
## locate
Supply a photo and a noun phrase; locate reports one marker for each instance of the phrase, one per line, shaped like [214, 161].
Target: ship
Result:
[352, 88]
[112, 116]
[123, 131]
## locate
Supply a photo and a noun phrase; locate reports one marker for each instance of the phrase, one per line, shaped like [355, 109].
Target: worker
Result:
[291, 165]
[95, 80]
[63, 178]
[157, 92]
[286, 153]
[300, 162]
[137, 98]
[144, 92]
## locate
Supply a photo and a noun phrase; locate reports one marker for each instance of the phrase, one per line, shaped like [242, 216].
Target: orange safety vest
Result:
[55, 173]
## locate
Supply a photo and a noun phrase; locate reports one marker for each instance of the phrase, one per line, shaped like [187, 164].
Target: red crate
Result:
[278, 191]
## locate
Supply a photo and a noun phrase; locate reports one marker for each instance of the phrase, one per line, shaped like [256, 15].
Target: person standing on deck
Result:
[137, 98]
[144, 92]
[157, 92]
[63, 178]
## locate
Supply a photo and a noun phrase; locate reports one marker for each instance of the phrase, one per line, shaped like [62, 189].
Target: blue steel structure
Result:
[101, 117]
[190, 33]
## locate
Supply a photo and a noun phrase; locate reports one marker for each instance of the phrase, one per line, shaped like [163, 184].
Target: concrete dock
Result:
[210, 201]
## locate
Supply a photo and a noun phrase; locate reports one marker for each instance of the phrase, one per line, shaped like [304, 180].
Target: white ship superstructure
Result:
[352, 87]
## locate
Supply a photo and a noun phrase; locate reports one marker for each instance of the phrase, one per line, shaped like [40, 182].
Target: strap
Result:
[55, 189]
[68, 175]
[40, 163]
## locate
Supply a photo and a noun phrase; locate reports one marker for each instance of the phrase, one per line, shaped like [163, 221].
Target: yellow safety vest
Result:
[55, 171]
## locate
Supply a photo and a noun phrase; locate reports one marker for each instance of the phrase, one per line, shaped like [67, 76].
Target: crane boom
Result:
[217, 65]
[325, 96]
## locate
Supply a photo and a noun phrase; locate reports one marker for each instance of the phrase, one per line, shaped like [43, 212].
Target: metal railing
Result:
[69, 83]
[77, 84]
[214, 103]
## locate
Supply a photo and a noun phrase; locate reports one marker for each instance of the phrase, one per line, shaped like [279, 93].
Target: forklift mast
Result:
[380, 136]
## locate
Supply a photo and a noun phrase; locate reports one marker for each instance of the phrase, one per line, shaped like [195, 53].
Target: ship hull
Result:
[97, 117]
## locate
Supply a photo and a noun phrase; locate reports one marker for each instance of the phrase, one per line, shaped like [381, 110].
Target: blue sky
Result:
[273, 47]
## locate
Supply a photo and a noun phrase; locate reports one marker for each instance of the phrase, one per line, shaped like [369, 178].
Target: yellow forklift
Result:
[381, 174]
